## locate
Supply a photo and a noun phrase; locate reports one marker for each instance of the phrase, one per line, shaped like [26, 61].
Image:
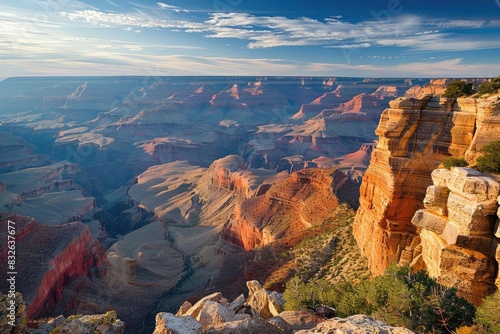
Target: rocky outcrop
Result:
[456, 231]
[415, 136]
[303, 200]
[92, 324]
[214, 314]
[167, 323]
[355, 324]
[53, 258]
[230, 174]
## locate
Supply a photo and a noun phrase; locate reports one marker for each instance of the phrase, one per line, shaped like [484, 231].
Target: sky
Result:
[359, 38]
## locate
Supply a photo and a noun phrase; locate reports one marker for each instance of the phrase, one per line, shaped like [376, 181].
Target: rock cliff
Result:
[415, 136]
[287, 208]
[456, 231]
[51, 259]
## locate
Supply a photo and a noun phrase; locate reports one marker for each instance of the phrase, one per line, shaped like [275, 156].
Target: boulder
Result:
[195, 309]
[185, 307]
[281, 324]
[212, 313]
[429, 221]
[167, 323]
[247, 326]
[355, 324]
[268, 304]
[435, 200]
[237, 304]
[300, 319]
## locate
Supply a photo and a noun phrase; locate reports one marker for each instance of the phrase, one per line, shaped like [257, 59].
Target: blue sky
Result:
[390, 38]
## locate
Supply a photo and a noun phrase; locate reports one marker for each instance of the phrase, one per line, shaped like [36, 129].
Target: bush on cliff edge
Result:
[458, 88]
[454, 162]
[399, 297]
[489, 162]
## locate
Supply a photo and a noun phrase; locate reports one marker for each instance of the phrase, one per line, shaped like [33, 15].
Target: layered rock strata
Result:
[289, 207]
[415, 136]
[50, 259]
[456, 231]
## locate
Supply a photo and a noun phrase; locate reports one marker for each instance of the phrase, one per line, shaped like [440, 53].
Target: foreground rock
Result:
[259, 313]
[88, 324]
[355, 324]
[456, 231]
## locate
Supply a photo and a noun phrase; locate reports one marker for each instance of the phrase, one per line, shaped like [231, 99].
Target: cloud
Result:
[170, 7]
[406, 31]
[96, 17]
[498, 2]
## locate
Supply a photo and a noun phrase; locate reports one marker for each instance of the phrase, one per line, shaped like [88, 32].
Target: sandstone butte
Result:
[415, 136]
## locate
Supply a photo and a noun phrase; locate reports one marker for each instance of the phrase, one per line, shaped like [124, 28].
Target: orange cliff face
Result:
[415, 136]
[303, 200]
[52, 260]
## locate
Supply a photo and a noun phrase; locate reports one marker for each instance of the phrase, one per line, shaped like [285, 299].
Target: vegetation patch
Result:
[399, 297]
[489, 162]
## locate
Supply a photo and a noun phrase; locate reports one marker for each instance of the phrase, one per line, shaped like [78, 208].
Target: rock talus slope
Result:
[415, 136]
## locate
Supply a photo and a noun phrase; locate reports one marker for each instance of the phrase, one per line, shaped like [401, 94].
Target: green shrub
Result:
[489, 87]
[399, 297]
[488, 314]
[489, 162]
[454, 162]
[458, 88]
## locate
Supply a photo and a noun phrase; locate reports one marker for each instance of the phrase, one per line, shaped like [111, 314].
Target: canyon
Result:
[147, 192]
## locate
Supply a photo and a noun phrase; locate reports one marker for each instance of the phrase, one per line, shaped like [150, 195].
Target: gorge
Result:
[136, 194]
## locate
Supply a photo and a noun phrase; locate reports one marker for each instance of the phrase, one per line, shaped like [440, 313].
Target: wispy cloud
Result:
[96, 17]
[409, 31]
[171, 7]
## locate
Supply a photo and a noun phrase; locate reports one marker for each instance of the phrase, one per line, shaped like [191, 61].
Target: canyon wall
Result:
[52, 258]
[457, 231]
[415, 136]
[288, 207]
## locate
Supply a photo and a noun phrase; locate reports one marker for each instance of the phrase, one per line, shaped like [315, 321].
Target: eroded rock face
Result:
[415, 136]
[53, 258]
[457, 231]
[288, 207]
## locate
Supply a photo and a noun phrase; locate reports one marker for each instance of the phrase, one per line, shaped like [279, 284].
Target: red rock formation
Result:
[415, 136]
[303, 200]
[49, 259]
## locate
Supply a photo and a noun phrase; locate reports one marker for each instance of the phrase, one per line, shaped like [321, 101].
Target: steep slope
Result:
[301, 201]
[415, 136]
[50, 260]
